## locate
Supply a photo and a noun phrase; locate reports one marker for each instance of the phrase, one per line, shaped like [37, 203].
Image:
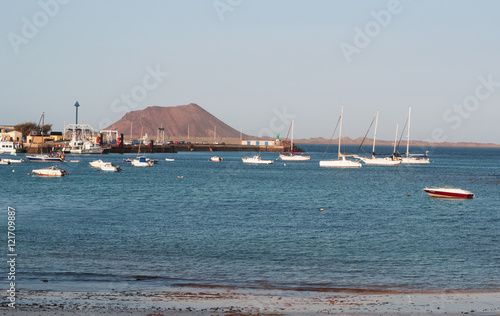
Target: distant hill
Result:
[413, 143]
[175, 120]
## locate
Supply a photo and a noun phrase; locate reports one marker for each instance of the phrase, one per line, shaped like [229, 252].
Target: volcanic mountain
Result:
[175, 120]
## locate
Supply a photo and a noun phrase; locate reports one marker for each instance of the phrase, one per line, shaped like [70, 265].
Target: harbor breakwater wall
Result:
[173, 148]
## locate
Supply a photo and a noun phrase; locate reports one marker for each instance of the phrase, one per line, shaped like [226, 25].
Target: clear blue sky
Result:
[247, 61]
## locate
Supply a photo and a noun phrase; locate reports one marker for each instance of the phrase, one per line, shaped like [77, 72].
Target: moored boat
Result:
[109, 167]
[216, 159]
[291, 155]
[81, 147]
[45, 158]
[256, 160]
[415, 158]
[8, 147]
[142, 162]
[4, 162]
[13, 160]
[341, 161]
[97, 163]
[449, 192]
[50, 172]
[169, 159]
[380, 161]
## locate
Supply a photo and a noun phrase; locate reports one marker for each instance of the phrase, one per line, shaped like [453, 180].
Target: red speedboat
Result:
[449, 192]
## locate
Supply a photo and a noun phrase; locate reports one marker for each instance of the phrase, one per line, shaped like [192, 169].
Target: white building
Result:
[258, 142]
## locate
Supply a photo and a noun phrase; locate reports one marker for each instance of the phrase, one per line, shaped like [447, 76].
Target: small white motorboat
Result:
[169, 159]
[449, 192]
[50, 172]
[4, 162]
[13, 160]
[109, 167]
[97, 163]
[256, 160]
[154, 161]
[216, 159]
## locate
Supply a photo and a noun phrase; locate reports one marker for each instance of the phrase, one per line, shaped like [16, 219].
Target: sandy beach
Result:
[229, 301]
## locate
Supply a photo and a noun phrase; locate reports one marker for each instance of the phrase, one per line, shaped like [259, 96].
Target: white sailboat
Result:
[290, 155]
[341, 161]
[379, 161]
[141, 161]
[415, 158]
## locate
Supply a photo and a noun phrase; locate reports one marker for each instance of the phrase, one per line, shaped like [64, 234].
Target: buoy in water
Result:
[408, 195]
[321, 210]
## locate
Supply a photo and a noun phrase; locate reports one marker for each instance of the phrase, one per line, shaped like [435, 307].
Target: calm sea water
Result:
[193, 221]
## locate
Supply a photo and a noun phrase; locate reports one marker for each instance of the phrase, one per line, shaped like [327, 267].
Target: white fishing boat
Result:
[109, 167]
[216, 159]
[8, 147]
[4, 162]
[449, 192]
[50, 172]
[86, 147]
[380, 161]
[290, 155]
[256, 160]
[97, 163]
[415, 158]
[341, 161]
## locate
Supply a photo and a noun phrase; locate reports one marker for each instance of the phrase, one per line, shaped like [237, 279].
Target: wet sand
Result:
[224, 301]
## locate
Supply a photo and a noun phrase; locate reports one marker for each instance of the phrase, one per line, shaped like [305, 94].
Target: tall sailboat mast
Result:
[291, 142]
[375, 134]
[396, 138]
[340, 132]
[408, 136]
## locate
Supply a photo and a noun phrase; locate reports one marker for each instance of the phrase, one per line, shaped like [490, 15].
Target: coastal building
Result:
[13, 136]
[258, 142]
[52, 137]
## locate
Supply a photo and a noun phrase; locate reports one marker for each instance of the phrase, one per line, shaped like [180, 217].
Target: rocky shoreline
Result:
[231, 301]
